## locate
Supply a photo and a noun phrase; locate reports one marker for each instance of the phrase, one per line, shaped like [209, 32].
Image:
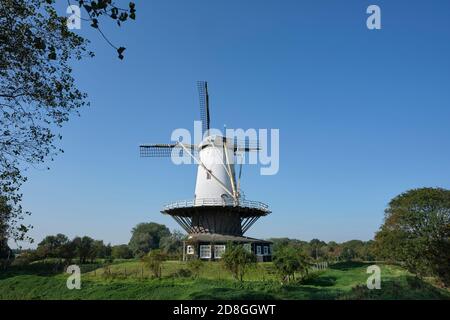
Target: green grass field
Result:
[130, 280]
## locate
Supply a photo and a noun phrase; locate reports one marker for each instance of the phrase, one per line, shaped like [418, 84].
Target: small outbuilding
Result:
[207, 246]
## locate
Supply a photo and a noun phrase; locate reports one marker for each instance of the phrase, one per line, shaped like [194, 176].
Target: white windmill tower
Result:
[218, 213]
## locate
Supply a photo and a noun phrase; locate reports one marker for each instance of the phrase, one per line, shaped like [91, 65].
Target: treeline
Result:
[332, 251]
[82, 249]
[145, 237]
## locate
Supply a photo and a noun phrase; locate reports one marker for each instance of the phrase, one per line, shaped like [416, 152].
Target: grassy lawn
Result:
[130, 280]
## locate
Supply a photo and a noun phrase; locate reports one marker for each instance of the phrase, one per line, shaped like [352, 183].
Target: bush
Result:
[238, 260]
[289, 260]
[183, 273]
[109, 260]
[25, 258]
[195, 266]
[153, 260]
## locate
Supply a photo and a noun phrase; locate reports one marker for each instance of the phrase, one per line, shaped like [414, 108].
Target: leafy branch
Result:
[96, 9]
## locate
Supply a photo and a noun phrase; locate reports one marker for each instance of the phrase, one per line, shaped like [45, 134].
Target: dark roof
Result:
[215, 237]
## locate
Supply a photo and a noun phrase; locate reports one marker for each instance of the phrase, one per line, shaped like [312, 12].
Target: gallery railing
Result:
[217, 202]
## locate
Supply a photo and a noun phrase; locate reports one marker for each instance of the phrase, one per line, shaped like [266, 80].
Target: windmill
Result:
[218, 213]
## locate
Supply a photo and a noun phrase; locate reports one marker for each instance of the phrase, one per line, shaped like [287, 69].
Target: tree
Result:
[288, 260]
[121, 252]
[107, 251]
[5, 211]
[50, 246]
[153, 260]
[367, 251]
[333, 251]
[147, 236]
[98, 250]
[347, 254]
[416, 231]
[37, 90]
[61, 247]
[281, 242]
[5, 251]
[238, 260]
[84, 248]
[173, 244]
[352, 249]
[316, 246]
[67, 251]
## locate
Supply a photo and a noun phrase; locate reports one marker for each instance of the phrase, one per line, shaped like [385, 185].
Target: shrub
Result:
[289, 260]
[238, 260]
[153, 260]
[25, 258]
[183, 273]
[195, 266]
[109, 260]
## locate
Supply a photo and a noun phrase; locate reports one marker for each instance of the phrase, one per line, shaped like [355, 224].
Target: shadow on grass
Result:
[295, 292]
[348, 265]
[22, 271]
[321, 281]
[230, 294]
[42, 269]
[410, 288]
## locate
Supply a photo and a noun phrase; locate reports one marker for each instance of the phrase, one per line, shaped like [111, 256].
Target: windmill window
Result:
[266, 250]
[205, 251]
[218, 251]
[258, 250]
[248, 247]
[190, 250]
[208, 176]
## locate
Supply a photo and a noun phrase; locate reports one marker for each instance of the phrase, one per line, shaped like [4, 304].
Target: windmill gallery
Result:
[219, 213]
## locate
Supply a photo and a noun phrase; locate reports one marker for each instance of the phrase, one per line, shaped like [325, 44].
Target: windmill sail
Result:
[204, 105]
[164, 150]
[246, 145]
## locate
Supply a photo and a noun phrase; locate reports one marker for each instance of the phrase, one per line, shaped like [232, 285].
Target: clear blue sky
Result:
[363, 115]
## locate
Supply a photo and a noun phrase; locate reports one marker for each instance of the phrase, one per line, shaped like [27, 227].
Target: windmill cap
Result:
[216, 140]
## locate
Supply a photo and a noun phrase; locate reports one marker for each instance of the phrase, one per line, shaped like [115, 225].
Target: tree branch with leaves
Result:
[38, 93]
